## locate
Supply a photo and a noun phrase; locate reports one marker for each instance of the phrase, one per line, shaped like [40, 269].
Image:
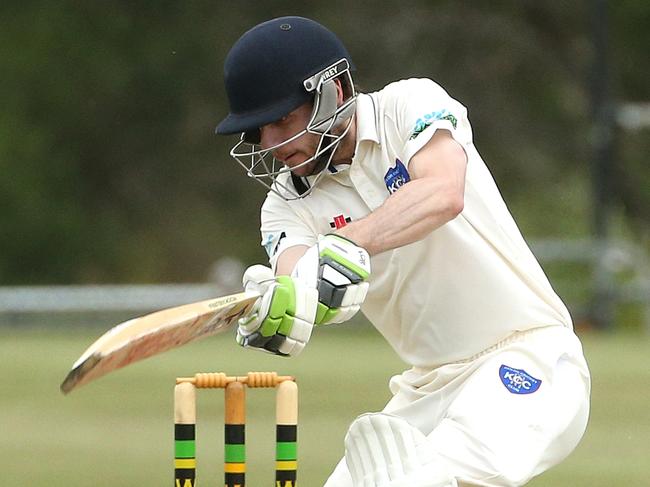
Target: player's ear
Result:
[344, 89]
[339, 92]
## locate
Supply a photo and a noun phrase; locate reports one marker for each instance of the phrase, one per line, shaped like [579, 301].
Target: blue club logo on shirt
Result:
[396, 177]
[518, 381]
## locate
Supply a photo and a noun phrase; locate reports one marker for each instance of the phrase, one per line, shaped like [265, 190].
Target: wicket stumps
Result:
[235, 425]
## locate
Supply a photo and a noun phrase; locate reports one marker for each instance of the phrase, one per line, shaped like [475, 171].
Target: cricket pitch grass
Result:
[119, 429]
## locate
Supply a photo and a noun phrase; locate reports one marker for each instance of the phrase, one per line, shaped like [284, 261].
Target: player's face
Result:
[297, 151]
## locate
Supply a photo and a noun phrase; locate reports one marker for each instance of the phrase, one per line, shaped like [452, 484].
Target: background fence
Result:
[594, 278]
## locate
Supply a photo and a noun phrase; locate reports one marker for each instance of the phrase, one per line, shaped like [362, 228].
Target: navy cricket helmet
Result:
[266, 70]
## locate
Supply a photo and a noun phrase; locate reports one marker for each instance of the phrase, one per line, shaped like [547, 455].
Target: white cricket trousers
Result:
[502, 417]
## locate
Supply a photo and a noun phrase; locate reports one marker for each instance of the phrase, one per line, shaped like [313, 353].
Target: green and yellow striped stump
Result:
[184, 435]
[286, 452]
[235, 435]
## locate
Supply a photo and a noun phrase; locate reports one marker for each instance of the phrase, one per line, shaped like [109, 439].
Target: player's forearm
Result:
[408, 215]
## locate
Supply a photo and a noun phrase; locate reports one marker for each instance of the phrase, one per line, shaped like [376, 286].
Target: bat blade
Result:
[149, 335]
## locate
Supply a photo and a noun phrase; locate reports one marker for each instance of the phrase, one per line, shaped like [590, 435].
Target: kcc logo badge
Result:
[396, 177]
[518, 381]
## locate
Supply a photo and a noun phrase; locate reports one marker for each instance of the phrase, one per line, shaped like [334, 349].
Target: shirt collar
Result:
[366, 118]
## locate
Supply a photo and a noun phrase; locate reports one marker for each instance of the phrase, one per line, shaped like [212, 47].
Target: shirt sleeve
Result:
[282, 227]
[422, 107]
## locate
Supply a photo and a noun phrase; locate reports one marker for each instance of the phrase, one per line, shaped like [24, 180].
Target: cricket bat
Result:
[149, 335]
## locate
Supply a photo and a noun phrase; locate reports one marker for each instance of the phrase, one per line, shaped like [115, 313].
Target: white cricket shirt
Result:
[468, 284]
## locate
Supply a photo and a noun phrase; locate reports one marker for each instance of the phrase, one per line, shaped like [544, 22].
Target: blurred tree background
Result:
[111, 171]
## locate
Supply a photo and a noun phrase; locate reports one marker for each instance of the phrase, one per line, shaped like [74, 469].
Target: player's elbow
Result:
[455, 203]
[451, 202]
[442, 207]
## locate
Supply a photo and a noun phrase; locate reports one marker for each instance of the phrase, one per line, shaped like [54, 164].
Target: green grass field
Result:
[119, 430]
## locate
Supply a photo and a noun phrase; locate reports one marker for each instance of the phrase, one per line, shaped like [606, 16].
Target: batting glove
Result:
[283, 317]
[339, 269]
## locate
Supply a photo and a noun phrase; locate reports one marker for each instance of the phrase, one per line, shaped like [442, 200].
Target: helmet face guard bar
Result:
[325, 117]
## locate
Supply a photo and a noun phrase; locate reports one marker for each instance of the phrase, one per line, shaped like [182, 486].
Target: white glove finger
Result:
[291, 347]
[357, 294]
[240, 338]
[362, 291]
[351, 311]
[301, 330]
[351, 296]
[254, 312]
[248, 325]
[345, 314]
[306, 301]
[257, 278]
[266, 301]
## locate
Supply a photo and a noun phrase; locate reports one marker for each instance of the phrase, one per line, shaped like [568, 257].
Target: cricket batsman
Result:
[380, 202]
